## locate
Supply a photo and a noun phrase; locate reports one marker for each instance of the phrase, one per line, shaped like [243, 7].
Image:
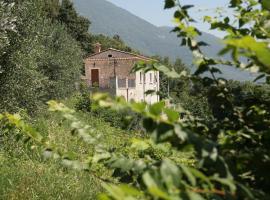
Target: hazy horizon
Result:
[153, 11]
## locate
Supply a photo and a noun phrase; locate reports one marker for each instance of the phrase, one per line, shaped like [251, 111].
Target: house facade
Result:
[110, 71]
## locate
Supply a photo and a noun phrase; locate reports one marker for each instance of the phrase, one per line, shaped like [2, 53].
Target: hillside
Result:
[109, 19]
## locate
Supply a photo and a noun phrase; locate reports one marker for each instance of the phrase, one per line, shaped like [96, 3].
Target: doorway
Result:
[95, 77]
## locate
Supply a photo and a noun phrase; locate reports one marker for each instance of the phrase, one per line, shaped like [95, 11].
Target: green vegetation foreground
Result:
[230, 147]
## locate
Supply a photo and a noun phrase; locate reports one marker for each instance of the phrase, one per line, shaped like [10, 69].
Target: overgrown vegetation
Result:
[41, 62]
[218, 150]
[42, 48]
[27, 173]
[125, 119]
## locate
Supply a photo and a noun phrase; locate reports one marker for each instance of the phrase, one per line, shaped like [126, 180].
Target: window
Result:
[151, 78]
[144, 78]
[155, 79]
[112, 82]
[131, 83]
[83, 71]
[110, 55]
[122, 83]
[140, 77]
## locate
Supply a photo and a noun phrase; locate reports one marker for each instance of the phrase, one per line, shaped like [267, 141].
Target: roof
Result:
[103, 55]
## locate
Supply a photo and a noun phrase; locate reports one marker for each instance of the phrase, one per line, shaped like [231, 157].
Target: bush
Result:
[42, 61]
[83, 103]
[124, 119]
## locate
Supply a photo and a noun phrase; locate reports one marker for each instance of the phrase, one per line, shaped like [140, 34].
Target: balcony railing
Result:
[116, 82]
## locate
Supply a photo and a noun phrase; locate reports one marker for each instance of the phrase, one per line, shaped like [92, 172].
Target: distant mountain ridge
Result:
[109, 19]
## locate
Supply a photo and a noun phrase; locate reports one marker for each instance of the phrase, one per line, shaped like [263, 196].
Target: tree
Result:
[76, 25]
[232, 152]
[7, 23]
[116, 42]
[52, 7]
[41, 62]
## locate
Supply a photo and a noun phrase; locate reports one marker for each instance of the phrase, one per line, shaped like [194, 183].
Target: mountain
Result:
[108, 19]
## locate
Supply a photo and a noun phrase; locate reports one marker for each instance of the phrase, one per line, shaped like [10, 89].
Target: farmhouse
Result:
[109, 70]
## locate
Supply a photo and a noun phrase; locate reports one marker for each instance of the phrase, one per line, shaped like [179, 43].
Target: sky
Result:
[153, 12]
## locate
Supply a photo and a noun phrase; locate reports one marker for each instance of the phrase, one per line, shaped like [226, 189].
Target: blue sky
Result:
[152, 10]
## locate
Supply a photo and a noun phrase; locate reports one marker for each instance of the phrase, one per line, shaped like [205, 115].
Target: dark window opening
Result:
[122, 83]
[131, 83]
[110, 55]
[83, 71]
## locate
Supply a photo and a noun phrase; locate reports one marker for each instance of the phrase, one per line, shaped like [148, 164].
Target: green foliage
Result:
[115, 42]
[21, 178]
[231, 150]
[52, 9]
[41, 62]
[124, 119]
[73, 140]
[7, 23]
[83, 102]
[171, 85]
[77, 26]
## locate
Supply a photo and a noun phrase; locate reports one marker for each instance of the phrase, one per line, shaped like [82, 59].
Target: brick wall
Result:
[113, 63]
[108, 68]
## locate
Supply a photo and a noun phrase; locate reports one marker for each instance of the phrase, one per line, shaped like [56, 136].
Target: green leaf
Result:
[114, 191]
[171, 73]
[172, 115]
[169, 4]
[253, 49]
[259, 77]
[186, 7]
[104, 197]
[130, 190]
[150, 92]
[201, 176]
[194, 196]
[189, 175]
[101, 156]
[234, 3]
[138, 107]
[226, 181]
[180, 133]
[157, 108]
[123, 163]
[246, 190]
[171, 174]
[266, 4]
[153, 188]
[139, 144]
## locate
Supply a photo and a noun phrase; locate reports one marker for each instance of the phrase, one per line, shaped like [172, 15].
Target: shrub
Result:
[124, 119]
[42, 61]
[83, 102]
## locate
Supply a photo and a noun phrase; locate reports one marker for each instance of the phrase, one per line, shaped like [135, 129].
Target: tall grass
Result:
[26, 174]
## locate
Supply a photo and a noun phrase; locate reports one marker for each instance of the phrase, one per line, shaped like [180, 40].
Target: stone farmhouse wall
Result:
[115, 75]
[108, 68]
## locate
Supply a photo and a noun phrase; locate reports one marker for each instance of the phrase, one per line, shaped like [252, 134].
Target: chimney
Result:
[97, 48]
